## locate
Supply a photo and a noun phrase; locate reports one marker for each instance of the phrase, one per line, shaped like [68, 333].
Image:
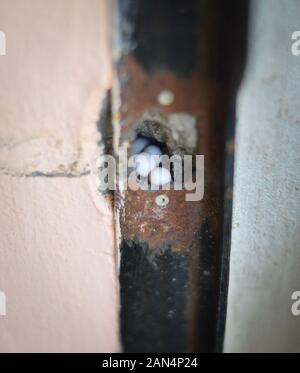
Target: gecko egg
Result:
[160, 176]
[153, 150]
[139, 144]
[145, 163]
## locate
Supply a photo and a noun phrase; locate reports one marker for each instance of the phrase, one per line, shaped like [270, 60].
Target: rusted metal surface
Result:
[171, 255]
[201, 99]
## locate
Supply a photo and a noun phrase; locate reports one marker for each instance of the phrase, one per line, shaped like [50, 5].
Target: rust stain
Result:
[230, 146]
[176, 223]
[203, 98]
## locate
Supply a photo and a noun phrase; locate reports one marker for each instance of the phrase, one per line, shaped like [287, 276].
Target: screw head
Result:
[166, 97]
[162, 200]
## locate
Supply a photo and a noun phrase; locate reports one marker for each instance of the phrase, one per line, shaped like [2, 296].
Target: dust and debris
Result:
[177, 131]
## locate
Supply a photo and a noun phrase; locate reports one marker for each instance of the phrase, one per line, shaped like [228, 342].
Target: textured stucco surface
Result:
[265, 253]
[57, 260]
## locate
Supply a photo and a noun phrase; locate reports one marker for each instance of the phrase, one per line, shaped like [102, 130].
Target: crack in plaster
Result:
[42, 157]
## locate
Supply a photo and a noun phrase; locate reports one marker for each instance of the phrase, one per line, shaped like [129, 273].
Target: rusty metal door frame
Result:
[174, 260]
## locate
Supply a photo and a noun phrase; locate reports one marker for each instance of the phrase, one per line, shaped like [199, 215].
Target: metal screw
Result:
[162, 200]
[166, 98]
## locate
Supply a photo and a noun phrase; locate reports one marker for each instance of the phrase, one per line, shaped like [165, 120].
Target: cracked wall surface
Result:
[57, 260]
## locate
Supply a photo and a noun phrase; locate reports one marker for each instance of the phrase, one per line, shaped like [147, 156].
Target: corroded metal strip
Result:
[171, 255]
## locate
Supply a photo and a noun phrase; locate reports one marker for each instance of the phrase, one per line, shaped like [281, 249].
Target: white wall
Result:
[265, 253]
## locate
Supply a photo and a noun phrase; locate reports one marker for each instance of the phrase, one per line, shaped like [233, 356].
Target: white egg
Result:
[139, 144]
[160, 176]
[153, 150]
[145, 163]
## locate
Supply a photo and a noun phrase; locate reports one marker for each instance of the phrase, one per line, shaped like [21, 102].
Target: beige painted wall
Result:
[57, 260]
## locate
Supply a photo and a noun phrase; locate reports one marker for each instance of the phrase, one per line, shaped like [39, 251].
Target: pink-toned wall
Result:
[57, 260]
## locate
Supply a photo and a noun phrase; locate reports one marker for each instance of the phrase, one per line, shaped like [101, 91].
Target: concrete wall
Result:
[265, 253]
[57, 262]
